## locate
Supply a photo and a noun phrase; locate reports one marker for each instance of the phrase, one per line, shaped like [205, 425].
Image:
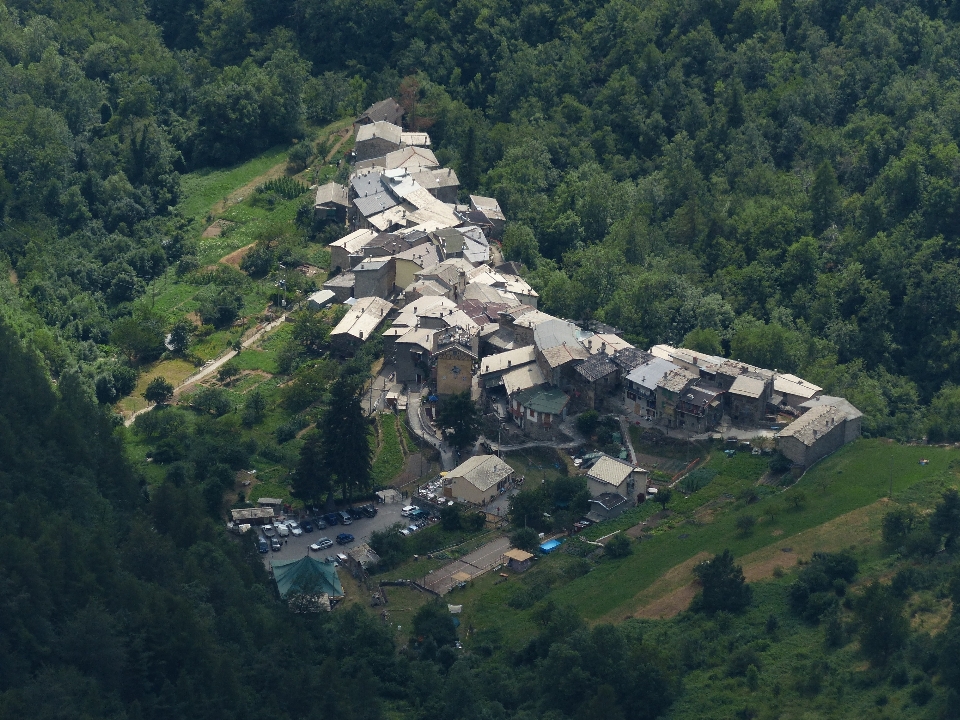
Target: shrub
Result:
[525, 539]
[745, 524]
[618, 546]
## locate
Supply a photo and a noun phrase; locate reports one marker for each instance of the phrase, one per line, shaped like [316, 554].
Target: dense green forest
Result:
[777, 181]
[120, 605]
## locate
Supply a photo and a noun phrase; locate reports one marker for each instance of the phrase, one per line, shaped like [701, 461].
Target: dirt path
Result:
[214, 365]
[236, 256]
[344, 135]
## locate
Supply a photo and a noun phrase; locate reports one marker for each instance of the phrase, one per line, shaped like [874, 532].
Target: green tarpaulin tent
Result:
[308, 577]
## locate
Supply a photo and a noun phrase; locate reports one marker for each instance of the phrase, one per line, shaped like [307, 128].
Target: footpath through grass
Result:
[202, 189]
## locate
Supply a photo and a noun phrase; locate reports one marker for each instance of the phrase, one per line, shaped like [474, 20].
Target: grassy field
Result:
[389, 459]
[204, 188]
[175, 371]
[855, 477]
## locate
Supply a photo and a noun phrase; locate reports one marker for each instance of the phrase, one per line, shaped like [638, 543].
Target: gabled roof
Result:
[747, 386]
[420, 139]
[384, 111]
[610, 470]
[814, 424]
[676, 380]
[410, 158]
[306, 576]
[630, 358]
[786, 384]
[386, 131]
[523, 378]
[506, 360]
[353, 242]
[362, 320]
[648, 374]
[332, 194]
[606, 343]
[425, 255]
[554, 333]
[489, 294]
[849, 411]
[596, 367]
[543, 400]
[481, 471]
[487, 206]
[563, 354]
[426, 288]
[420, 307]
[419, 337]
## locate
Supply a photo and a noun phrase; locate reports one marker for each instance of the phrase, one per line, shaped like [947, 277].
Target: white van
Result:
[407, 510]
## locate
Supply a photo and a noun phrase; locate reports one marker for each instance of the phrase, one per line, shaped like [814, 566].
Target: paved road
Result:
[473, 564]
[297, 547]
[210, 368]
[448, 459]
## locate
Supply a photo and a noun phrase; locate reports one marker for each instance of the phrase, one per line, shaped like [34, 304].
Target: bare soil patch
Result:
[236, 256]
[669, 605]
[853, 528]
[669, 595]
[12, 275]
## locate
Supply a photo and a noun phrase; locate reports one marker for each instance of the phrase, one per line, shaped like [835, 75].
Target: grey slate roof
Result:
[596, 367]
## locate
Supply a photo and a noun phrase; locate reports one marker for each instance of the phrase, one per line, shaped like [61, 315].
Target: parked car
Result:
[344, 539]
[262, 544]
[345, 518]
[419, 514]
[275, 544]
[405, 532]
[307, 526]
[269, 530]
[408, 509]
[356, 513]
[369, 511]
[283, 530]
[332, 518]
[319, 523]
[294, 527]
[322, 544]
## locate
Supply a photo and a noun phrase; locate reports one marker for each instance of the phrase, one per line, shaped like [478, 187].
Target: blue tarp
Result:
[549, 546]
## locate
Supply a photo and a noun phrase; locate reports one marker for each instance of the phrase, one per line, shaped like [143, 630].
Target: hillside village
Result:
[424, 271]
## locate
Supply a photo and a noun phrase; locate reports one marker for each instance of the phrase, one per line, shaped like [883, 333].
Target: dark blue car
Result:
[344, 538]
[306, 526]
[332, 519]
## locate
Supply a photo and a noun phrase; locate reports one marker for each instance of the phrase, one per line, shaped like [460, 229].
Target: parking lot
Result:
[297, 547]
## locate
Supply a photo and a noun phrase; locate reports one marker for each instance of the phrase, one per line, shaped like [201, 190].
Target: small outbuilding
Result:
[518, 560]
[252, 516]
[607, 506]
[320, 299]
